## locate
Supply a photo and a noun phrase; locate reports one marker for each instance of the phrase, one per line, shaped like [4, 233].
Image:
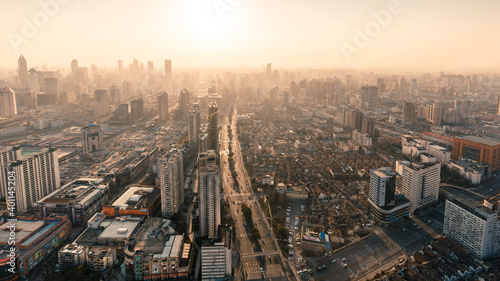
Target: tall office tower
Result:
[413, 84]
[269, 70]
[434, 114]
[36, 176]
[33, 81]
[209, 188]
[121, 113]
[408, 112]
[183, 103]
[150, 67]
[168, 73]
[369, 95]
[287, 98]
[114, 94]
[22, 72]
[126, 89]
[381, 85]
[172, 185]
[348, 82]
[8, 107]
[216, 260]
[101, 97]
[92, 138]
[52, 90]
[194, 124]
[213, 126]
[74, 67]
[476, 228]
[137, 109]
[357, 120]
[421, 184]
[162, 100]
[336, 99]
[7, 156]
[498, 106]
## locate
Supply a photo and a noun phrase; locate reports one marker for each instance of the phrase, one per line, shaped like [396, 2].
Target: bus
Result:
[321, 267]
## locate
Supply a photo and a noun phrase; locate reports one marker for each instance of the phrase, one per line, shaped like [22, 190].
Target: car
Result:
[343, 259]
[418, 227]
[334, 261]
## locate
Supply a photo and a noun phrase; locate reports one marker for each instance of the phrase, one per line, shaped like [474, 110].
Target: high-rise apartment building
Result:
[162, 100]
[184, 103]
[476, 228]
[385, 205]
[421, 183]
[8, 107]
[216, 260]
[92, 138]
[36, 175]
[434, 114]
[194, 124]
[369, 95]
[22, 72]
[172, 185]
[33, 81]
[209, 188]
[74, 67]
[409, 112]
[213, 126]
[51, 90]
[137, 109]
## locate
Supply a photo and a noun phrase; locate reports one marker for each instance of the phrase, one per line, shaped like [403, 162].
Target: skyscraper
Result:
[172, 185]
[101, 97]
[369, 95]
[22, 72]
[408, 112]
[92, 138]
[168, 73]
[74, 66]
[209, 188]
[33, 81]
[162, 100]
[434, 114]
[213, 129]
[8, 107]
[52, 90]
[194, 124]
[184, 103]
[150, 67]
[36, 176]
[421, 184]
[137, 109]
[114, 94]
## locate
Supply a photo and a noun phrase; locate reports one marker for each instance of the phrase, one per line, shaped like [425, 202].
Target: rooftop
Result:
[482, 140]
[78, 191]
[136, 197]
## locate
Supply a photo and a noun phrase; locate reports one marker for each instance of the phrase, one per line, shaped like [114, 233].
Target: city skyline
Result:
[403, 34]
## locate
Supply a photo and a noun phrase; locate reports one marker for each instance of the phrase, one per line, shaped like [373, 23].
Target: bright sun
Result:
[204, 22]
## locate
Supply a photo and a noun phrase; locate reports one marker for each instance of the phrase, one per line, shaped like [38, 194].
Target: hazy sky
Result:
[314, 33]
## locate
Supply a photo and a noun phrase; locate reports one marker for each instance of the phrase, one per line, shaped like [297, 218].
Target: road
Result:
[254, 268]
[381, 251]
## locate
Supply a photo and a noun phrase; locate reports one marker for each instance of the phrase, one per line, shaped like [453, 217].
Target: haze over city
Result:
[419, 34]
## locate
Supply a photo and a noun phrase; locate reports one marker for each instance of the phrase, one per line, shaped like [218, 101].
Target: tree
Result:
[255, 233]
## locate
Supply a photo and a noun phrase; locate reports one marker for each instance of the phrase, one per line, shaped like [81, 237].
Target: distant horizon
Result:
[402, 34]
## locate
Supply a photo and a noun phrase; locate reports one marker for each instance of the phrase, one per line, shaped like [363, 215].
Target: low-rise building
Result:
[297, 192]
[35, 239]
[157, 252]
[101, 258]
[135, 200]
[315, 244]
[72, 255]
[79, 200]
